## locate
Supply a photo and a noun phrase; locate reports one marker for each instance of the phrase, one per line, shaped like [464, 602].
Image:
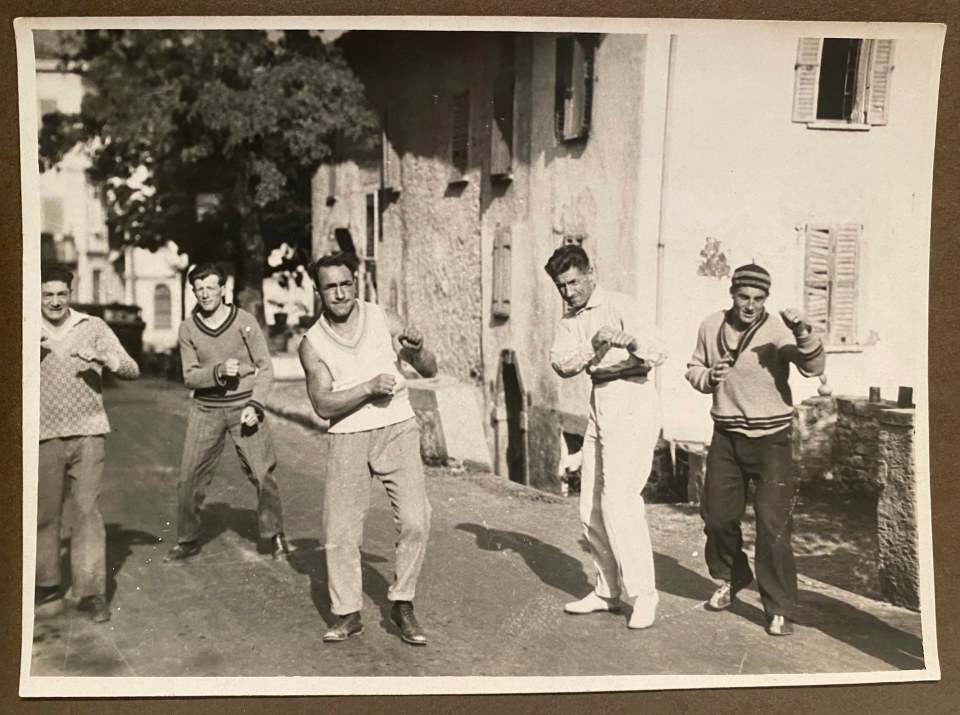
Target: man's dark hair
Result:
[56, 272]
[565, 258]
[205, 270]
[347, 259]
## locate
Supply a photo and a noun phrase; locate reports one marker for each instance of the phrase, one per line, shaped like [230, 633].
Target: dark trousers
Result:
[734, 459]
[207, 429]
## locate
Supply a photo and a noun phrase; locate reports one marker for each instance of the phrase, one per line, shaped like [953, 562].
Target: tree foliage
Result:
[244, 116]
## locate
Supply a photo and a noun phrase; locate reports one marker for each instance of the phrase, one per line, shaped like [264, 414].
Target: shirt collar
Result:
[597, 298]
[74, 319]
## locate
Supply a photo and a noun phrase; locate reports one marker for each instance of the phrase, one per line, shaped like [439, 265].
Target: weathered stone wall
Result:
[897, 508]
[814, 433]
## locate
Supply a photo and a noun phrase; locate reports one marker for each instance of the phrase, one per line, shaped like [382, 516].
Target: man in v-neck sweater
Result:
[742, 358]
[227, 365]
[351, 357]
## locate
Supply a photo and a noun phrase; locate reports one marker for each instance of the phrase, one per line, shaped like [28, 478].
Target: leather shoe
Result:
[724, 595]
[182, 552]
[780, 626]
[346, 626]
[410, 630]
[279, 548]
[644, 612]
[593, 603]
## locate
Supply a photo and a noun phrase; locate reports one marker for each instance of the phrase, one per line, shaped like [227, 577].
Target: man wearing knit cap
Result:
[743, 358]
[603, 335]
[74, 350]
[227, 365]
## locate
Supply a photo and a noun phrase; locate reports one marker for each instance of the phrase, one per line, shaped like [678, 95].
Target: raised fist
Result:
[230, 368]
[795, 321]
[718, 373]
[411, 337]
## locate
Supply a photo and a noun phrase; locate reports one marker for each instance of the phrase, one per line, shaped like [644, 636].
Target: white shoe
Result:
[644, 612]
[593, 603]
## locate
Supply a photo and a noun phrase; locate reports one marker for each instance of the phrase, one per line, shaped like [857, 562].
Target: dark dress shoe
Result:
[184, 551]
[410, 630]
[97, 605]
[279, 548]
[43, 595]
[346, 626]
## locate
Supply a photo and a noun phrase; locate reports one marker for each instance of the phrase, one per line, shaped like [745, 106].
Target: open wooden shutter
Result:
[392, 179]
[501, 128]
[816, 280]
[460, 136]
[574, 90]
[502, 272]
[806, 84]
[881, 69]
[843, 288]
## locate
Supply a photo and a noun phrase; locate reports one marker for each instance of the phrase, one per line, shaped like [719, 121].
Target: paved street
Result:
[502, 560]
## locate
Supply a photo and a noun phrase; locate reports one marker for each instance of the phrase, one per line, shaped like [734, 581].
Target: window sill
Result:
[837, 124]
[844, 348]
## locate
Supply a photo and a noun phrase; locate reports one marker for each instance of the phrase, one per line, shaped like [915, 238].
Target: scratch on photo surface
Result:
[66, 650]
[742, 661]
[119, 652]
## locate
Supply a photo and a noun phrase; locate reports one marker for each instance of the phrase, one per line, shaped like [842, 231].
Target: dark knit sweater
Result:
[203, 350]
[755, 399]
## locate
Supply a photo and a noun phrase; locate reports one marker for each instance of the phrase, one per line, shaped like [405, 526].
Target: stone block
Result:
[450, 421]
[896, 417]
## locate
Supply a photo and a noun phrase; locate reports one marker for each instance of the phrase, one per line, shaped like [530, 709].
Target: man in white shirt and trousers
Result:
[602, 333]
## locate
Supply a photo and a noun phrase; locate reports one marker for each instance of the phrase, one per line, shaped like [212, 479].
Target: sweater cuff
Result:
[220, 380]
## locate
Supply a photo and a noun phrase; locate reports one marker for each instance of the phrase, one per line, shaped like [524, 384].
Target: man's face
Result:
[575, 286]
[55, 301]
[338, 290]
[209, 293]
[748, 303]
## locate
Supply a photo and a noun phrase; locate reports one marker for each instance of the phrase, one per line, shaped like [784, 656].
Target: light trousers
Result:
[79, 462]
[392, 454]
[618, 448]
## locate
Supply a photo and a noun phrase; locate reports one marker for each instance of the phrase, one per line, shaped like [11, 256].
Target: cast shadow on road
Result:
[219, 517]
[120, 543]
[308, 558]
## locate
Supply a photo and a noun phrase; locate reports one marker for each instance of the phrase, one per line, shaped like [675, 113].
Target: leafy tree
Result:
[176, 118]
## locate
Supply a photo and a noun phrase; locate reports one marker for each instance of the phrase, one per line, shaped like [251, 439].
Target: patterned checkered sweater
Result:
[203, 350]
[755, 399]
[71, 401]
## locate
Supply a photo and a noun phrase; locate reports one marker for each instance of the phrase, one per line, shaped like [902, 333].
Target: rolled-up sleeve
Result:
[570, 354]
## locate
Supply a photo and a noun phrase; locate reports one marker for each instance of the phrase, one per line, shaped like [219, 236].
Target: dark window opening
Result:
[838, 78]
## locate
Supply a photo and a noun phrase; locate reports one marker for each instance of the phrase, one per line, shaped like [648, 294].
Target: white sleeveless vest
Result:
[351, 362]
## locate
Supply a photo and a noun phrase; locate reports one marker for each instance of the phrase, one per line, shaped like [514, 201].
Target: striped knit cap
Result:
[753, 276]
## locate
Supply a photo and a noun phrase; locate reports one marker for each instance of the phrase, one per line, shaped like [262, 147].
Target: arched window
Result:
[161, 307]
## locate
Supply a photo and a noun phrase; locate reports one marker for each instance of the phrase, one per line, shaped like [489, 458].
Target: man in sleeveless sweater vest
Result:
[227, 365]
[603, 335]
[74, 350]
[351, 357]
[743, 358]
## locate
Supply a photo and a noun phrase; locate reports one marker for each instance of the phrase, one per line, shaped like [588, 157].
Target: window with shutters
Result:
[575, 77]
[460, 137]
[831, 275]
[501, 128]
[842, 83]
[162, 307]
[502, 271]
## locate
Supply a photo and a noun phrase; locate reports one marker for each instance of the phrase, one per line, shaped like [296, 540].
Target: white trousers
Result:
[618, 449]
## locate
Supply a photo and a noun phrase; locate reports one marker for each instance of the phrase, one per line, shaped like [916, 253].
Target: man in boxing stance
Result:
[602, 334]
[351, 357]
[742, 359]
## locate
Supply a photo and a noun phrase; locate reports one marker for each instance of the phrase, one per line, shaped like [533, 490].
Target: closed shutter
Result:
[816, 282]
[881, 69]
[807, 79]
[392, 178]
[501, 128]
[843, 289]
[502, 273]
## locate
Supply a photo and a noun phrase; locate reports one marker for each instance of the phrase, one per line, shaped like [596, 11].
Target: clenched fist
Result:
[382, 385]
[614, 338]
[794, 320]
[230, 368]
[410, 337]
[718, 373]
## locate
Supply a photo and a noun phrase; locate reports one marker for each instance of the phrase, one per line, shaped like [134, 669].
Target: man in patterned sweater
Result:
[74, 349]
[743, 358]
[227, 365]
